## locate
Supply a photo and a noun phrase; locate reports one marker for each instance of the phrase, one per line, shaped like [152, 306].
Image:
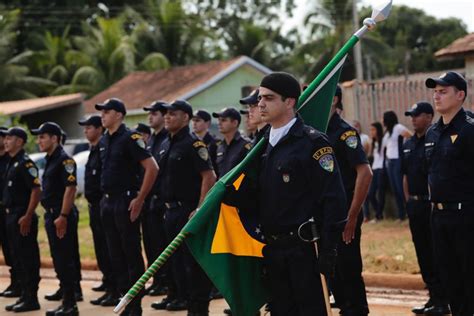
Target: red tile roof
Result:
[28, 106]
[461, 46]
[141, 88]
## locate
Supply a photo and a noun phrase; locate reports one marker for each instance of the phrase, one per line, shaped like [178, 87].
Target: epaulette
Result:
[312, 132]
[470, 117]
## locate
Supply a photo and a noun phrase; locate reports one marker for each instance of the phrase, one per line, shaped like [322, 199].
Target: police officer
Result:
[21, 196]
[201, 124]
[415, 187]
[93, 131]
[123, 153]
[14, 289]
[233, 148]
[186, 176]
[348, 285]
[298, 179]
[59, 189]
[255, 119]
[154, 239]
[449, 150]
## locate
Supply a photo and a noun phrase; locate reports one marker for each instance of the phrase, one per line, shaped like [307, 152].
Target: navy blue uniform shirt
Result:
[228, 156]
[348, 149]
[121, 154]
[60, 172]
[299, 178]
[413, 165]
[3, 167]
[154, 145]
[449, 151]
[21, 177]
[92, 190]
[182, 159]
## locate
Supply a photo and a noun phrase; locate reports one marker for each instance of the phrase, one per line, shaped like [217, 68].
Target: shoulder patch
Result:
[136, 136]
[199, 143]
[325, 158]
[29, 164]
[348, 134]
[71, 178]
[69, 165]
[203, 153]
[33, 172]
[350, 138]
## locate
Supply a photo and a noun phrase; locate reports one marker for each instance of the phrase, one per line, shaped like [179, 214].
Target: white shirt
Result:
[391, 141]
[364, 139]
[278, 133]
[378, 157]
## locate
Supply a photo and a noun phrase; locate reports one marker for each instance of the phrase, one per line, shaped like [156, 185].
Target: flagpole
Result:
[378, 14]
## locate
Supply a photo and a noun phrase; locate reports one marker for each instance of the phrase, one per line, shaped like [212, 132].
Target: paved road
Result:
[383, 302]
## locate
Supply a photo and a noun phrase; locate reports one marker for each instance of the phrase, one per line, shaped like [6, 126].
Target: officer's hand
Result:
[135, 208]
[349, 230]
[25, 224]
[327, 263]
[61, 226]
[193, 213]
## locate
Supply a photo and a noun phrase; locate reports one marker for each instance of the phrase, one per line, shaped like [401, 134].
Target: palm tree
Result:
[15, 81]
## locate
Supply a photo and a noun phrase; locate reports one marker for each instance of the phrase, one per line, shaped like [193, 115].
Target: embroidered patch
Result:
[28, 164]
[453, 138]
[33, 172]
[136, 136]
[347, 135]
[203, 153]
[36, 181]
[141, 143]
[352, 141]
[71, 178]
[325, 158]
[69, 165]
[199, 143]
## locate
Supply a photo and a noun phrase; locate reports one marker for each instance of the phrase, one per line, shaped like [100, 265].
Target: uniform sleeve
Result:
[137, 147]
[200, 156]
[31, 175]
[330, 189]
[404, 158]
[351, 145]
[68, 174]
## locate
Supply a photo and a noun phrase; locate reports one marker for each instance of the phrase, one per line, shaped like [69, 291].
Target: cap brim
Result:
[408, 113]
[35, 131]
[83, 123]
[148, 109]
[433, 82]
[100, 107]
[216, 115]
[244, 112]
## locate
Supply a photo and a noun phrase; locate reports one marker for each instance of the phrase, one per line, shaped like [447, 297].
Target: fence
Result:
[377, 97]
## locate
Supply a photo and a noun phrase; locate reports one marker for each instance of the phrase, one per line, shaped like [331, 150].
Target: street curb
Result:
[387, 280]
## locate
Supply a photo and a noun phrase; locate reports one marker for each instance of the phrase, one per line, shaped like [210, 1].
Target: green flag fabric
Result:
[226, 244]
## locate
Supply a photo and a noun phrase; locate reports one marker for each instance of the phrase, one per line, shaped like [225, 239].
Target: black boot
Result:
[112, 299]
[162, 305]
[13, 290]
[99, 300]
[437, 310]
[30, 303]
[99, 288]
[52, 312]
[56, 296]
[9, 307]
[69, 304]
[420, 310]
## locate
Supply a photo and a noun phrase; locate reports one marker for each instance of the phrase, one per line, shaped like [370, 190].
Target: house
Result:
[65, 110]
[209, 86]
[461, 48]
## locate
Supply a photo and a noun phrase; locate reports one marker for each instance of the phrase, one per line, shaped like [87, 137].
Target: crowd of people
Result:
[144, 184]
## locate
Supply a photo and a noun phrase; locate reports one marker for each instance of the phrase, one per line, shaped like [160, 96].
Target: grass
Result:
[386, 246]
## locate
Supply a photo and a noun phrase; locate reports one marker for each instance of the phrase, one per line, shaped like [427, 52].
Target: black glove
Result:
[327, 262]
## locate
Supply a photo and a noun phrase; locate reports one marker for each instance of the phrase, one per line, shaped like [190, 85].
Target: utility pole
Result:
[357, 60]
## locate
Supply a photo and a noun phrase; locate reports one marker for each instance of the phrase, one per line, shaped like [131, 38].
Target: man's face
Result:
[227, 125]
[2, 142]
[46, 141]
[155, 119]
[421, 122]
[92, 133]
[271, 105]
[199, 125]
[255, 118]
[110, 117]
[12, 143]
[175, 120]
[447, 99]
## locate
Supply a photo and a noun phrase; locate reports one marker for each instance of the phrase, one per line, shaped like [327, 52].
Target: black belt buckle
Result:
[448, 206]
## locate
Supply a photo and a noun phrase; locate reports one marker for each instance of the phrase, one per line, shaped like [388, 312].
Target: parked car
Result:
[79, 158]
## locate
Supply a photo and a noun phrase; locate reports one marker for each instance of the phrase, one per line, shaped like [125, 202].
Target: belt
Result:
[110, 195]
[449, 206]
[419, 197]
[171, 205]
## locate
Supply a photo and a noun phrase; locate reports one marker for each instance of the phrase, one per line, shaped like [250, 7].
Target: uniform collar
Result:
[19, 154]
[457, 120]
[55, 153]
[122, 128]
[236, 138]
[207, 138]
[180, 134]
[295, 130]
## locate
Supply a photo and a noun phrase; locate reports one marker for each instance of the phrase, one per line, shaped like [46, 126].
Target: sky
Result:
[462, 9]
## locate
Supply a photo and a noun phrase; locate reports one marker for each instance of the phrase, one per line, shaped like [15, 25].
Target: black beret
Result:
[282, 83]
